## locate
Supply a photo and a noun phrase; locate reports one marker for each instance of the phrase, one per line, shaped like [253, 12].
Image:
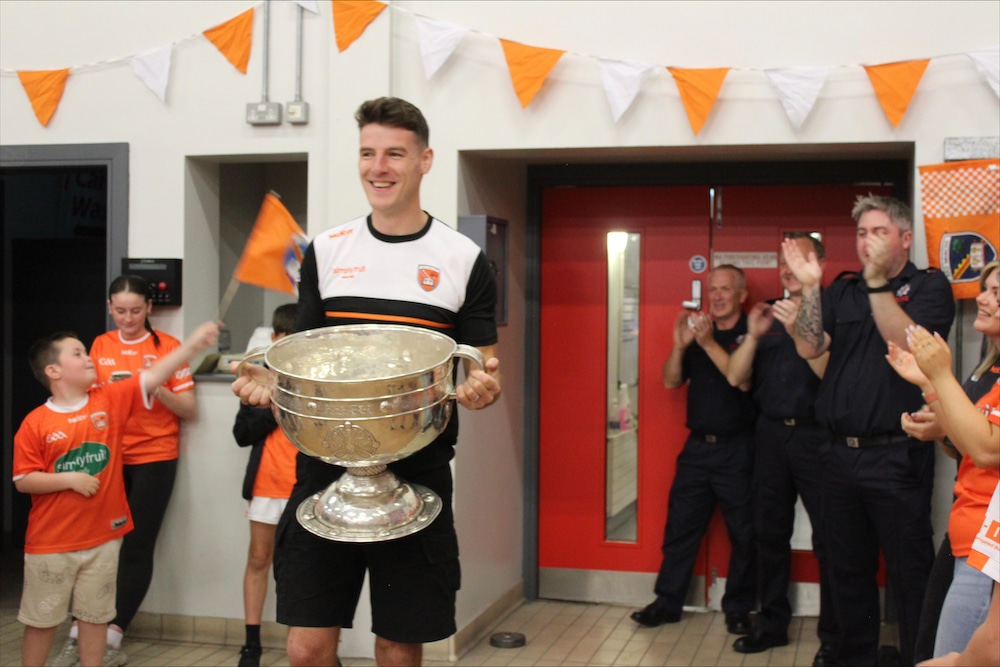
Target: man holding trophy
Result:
[396, 266]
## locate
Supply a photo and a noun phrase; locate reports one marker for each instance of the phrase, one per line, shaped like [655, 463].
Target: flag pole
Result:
[227, 298]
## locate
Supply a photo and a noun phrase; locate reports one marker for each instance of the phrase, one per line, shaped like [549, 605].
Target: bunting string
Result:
[797, 88]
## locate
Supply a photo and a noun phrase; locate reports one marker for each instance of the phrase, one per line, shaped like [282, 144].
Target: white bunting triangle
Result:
[308, 5]
[622, 81]
[153, 67]
[437, 42]
[798, 88]
[988, 64]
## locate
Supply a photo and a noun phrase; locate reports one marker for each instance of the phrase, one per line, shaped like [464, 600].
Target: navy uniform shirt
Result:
[784, 386]
[861, 395]
[714, 406]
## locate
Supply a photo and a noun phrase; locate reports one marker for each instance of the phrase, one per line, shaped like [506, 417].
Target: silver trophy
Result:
[361, 397]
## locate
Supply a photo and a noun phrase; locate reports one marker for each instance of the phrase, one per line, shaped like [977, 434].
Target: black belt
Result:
[872, 441]
[714, 437]
[792, 421]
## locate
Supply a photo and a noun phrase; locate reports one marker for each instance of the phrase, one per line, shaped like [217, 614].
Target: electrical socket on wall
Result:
[297, 112]
[264, 113]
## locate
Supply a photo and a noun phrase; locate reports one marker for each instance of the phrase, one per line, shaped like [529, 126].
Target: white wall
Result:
[471, 106]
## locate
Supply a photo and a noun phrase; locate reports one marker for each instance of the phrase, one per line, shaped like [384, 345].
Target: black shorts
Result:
[413, 580]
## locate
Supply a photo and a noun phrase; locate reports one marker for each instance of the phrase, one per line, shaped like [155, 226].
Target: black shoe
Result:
[250, 655]
[738, 624]
[825, 656]
[755, 643]
[653, 616]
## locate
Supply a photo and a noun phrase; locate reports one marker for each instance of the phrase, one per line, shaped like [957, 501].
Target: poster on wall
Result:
[961, 206]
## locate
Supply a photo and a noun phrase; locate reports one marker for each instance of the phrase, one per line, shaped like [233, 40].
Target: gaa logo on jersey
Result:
[99, 420]
[90, 457]
[964, 254]
[428, 277]
[148, 360]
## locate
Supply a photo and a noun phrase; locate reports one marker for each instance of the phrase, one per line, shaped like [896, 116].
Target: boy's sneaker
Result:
[68, 656]
[250, 655]
[114, 657]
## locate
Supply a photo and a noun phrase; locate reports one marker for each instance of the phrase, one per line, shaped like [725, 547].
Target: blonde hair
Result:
[992, 352]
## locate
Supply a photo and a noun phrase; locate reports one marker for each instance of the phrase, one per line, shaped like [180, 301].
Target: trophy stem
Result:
[369, 504]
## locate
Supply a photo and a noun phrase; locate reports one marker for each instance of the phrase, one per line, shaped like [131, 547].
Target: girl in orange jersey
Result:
[149, 444]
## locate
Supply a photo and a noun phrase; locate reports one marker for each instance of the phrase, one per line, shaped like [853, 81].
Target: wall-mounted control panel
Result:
[163, 276]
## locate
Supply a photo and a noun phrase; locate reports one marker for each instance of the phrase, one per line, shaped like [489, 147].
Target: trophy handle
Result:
[473, 355]
[254, 356]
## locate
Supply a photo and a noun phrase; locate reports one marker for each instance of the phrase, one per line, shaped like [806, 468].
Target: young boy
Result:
[269, 480]
[67, 455]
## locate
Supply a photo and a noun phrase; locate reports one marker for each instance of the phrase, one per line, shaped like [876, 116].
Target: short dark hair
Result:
[817, 245]
[44, 352]
[394, 112]
[283, 319]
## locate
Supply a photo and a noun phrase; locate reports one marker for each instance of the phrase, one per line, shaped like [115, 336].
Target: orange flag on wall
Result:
[699, 89]
[44, 91]
[234, 39]
[529, 66]
[895, 84]
[273, 253]
[961, 204]
[351, 17]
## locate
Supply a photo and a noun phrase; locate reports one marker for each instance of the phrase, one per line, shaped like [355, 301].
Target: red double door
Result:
[677, 226]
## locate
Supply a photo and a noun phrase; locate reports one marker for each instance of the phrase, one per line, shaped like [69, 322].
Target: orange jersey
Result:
[276, 474]
[974, 486]
[88, 439]
[153, 435]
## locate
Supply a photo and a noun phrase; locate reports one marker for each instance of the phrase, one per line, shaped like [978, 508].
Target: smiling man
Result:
[877, 481]
[715, 466]
[396, 265]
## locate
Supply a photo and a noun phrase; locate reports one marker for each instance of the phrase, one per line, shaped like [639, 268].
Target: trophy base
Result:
[363, 508]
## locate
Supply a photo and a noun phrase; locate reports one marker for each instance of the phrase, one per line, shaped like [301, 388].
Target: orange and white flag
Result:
[273, 253]
[961, 205]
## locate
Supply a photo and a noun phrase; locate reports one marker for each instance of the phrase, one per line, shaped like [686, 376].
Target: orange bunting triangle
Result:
[351, 17]
[273, 253]
[529, 66]
[234, 39]
[895, 84]
[699, 89]
[44, 91]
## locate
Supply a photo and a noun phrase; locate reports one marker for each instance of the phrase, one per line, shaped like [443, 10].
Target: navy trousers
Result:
[709, 474]
[788, 465]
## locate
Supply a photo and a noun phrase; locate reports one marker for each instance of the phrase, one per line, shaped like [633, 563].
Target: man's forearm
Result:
[673, 376]
[810, 339]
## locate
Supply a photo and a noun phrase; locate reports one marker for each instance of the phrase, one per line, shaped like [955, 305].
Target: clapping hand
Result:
[759, 319]
[807, 270]
[906, 366]
[786, 311]
[930, 351]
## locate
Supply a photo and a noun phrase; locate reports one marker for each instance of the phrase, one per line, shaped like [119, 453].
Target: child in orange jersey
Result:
[269, 480]
[68, 456]
[150, 446]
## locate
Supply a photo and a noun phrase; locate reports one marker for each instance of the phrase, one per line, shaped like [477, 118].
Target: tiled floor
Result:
[557, 633]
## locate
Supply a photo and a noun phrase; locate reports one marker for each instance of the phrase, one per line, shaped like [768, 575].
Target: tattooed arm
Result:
[811, 340]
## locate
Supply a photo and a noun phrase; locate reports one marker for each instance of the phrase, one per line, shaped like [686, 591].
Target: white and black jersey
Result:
[437, 278]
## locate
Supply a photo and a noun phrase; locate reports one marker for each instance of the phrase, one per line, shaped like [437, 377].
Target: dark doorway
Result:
[58, 238]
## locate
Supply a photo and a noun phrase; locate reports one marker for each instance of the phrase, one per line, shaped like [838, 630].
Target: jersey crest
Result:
[99, 420]
[428, 276]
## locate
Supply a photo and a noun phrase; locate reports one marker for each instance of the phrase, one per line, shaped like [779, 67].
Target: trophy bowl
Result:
[362, 396]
